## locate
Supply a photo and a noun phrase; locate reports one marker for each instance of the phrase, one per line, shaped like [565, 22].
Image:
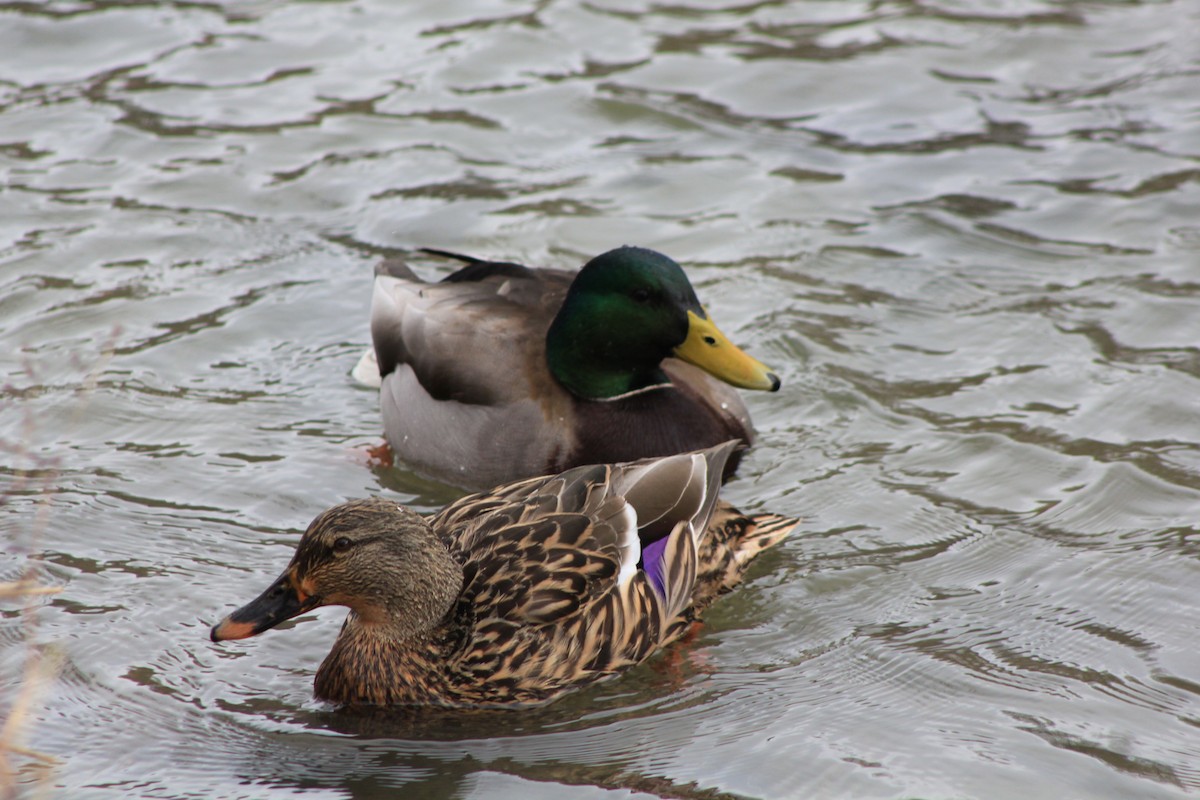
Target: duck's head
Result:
[378, 558]
[625, 312]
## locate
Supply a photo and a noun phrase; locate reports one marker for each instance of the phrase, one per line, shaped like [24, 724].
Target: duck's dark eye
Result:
[342, 544]
[641, 295]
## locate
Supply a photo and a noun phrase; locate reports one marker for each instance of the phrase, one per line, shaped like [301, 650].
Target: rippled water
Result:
[966, 234]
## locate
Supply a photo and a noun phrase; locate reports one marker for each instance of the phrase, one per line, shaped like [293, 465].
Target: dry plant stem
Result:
[25, 588]
[39, 668]
[40, 671]
[41, 665]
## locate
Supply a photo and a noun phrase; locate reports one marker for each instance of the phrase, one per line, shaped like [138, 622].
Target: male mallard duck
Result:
[517, 595]
[500, 372]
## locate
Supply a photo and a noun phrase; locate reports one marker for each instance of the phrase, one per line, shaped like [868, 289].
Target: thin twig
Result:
[42, 664]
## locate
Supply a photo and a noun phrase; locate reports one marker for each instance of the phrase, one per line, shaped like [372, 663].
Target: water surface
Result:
[967, 235]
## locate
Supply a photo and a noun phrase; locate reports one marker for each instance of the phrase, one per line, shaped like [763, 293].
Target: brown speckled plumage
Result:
[514, 596]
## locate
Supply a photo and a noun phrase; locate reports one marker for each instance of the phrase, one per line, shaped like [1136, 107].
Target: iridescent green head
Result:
[626, 311]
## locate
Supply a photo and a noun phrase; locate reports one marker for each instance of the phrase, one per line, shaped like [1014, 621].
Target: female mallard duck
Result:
[517, 595]
[501, 372]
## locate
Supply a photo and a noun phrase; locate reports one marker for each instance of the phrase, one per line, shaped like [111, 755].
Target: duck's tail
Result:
[466, 259]
[397, 268]
[733, 540]
[764, 530]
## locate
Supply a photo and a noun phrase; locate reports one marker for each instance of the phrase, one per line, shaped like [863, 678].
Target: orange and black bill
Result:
[281, 601]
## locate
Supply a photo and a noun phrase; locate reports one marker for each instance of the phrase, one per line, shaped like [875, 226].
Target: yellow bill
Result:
[707, 348]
